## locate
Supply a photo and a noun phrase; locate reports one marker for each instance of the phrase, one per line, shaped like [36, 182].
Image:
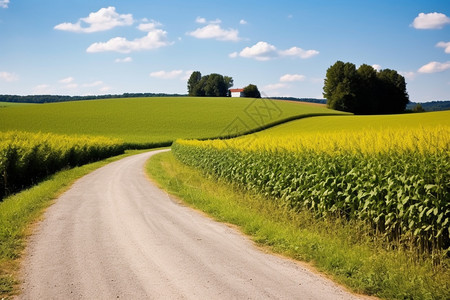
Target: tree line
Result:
[365, 90]
[63, 98]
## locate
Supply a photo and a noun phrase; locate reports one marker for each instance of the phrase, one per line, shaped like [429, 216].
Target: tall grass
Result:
[26, 158]
[397, 180]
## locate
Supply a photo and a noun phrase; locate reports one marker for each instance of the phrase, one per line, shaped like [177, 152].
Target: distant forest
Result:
[431, 106]
[62, 98]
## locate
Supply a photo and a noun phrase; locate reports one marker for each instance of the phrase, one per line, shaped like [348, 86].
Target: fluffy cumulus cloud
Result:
[434, 67]
[155, 38]
[4, 3]
[215, 31]
[123, 60]
[445, 45]
[102, 20]
[299, 52]
[8, 77]
[292, 78]
[376, 67]
[264, 51]
[242, 22]
[433, 20]
[260, 51]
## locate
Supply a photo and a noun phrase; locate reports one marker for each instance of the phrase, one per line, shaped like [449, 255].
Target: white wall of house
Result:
[237, 94]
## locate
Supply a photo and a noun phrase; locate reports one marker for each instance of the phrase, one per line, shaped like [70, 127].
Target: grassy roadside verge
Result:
[345, 252]
[19, 212]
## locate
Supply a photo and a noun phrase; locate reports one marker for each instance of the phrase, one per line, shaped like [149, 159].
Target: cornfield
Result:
[395, 180]
[26, 158]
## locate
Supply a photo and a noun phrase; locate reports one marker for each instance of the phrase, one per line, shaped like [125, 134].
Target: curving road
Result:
[116, 235]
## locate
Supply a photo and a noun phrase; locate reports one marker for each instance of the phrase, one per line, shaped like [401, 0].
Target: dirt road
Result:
[116, 235]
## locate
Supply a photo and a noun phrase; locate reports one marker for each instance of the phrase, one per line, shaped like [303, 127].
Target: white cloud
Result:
[444, 45]
[4, 3]
[93, 84]
[104, 19]
[123, 60]
[299, 52]
[242, 22]
[434, 67]
[260, 51]
[275, 86]
[408, 75]
[149, 26]
[153, 40]
[376, 67]
[214, 31]
[200, 20]
[292, 77]
[233, 55]
[167, 74]
[8, 77]
[430, 21]
[66, 80]
[264, 51]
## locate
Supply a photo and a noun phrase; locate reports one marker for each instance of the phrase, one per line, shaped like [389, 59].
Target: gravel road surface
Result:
[114, 234]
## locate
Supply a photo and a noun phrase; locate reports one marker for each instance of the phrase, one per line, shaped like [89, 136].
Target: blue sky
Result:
[284, 47]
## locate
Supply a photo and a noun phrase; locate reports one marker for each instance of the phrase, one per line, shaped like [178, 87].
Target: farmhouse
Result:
[237, 92]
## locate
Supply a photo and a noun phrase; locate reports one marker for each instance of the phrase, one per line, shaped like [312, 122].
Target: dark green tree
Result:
[215, 86]
[251, 91]
[340, 86]
[364, 91]
[393, 96]
[418, 108]
[192, 83]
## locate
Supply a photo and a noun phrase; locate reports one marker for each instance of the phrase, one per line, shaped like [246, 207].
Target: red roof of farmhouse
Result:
[236, 90]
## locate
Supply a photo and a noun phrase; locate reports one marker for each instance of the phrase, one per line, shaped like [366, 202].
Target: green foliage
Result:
[251, 91]
[27, 158]
[418, 108]
[402, 195]
[144, 121]
[213, 85]
[193, 83]
[365, 91]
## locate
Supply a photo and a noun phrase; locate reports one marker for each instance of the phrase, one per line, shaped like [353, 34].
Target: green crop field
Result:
[336, 123]
[389, 171]
[7, 104]
[152, 120]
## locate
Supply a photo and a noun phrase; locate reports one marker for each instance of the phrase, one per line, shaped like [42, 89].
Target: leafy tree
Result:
[216, 86]
[340, 86]
[364, 91]
[213, 85]
[192, 83]
[418, 108]
[251, 91]
[393, 98]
